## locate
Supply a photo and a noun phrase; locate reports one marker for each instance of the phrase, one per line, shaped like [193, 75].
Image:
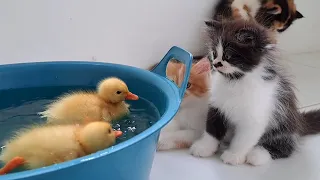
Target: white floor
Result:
[305, 165]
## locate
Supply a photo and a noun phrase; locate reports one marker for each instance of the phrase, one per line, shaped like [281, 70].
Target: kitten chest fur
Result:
[187, 125]
[250, 91]
[193, 113]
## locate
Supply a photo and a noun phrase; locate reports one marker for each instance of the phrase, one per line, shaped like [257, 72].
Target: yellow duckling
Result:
[107, 104]
[45, 145]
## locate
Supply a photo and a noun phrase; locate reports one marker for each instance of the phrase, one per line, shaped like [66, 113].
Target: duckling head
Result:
[115, 90]
[98, 135]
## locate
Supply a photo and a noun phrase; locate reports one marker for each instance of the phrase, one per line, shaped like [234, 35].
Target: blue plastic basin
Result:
[129, 160]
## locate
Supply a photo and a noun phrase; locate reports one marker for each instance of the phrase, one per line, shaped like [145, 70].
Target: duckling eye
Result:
[109, 131]
[119, 92]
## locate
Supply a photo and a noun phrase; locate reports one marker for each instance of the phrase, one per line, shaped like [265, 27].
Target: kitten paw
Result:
[198, 149]
[258, 156]
[232, 158]
[172, 140]
[165, 144]
[204, 147]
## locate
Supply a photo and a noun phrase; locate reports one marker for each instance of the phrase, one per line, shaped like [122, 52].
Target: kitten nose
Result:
[218, 64]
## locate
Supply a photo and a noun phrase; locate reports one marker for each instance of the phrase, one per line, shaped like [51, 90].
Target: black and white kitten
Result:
[253, 102]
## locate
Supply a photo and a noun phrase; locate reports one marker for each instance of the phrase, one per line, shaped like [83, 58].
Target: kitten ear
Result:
[246, 36]
[174, 64]
[182, 70]
[299, 15]
[172, 67]
[213, 24]
[202, 66]
[274, 9]
[181, 74]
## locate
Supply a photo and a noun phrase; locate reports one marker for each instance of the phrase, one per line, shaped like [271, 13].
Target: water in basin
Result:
[19, 108]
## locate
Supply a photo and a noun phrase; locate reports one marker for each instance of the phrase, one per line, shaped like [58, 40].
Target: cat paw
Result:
[258, 156]
[232, 158]
[204, 147]
[198, 149]
[165, 144]
[169, 144]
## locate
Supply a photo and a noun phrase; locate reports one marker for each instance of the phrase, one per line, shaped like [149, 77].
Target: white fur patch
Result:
[172, 126]
[193, 113]
[226, 68]
[253, 5]
[258, 156]
[248, 103]
[204, 147]
[187, 125]
[219, 50]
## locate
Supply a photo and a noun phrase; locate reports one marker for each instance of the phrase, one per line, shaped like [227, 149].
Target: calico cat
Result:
[277, 15]
[253, 104]
[189, 123]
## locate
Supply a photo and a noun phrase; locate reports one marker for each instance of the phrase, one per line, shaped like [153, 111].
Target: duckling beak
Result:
[131, 96]
[118, 133]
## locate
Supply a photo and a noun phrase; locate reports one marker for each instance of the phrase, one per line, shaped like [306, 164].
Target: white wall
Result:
[133, 32]
[304, 34]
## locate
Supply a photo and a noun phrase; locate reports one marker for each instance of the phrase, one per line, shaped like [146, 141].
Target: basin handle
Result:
[180, 55]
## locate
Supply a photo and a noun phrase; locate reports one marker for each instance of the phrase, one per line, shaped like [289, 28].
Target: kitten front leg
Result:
[173, 125]
[165, 134]
[247, 135]
[216, 129]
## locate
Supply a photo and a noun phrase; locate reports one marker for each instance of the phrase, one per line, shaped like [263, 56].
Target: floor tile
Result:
[304, 165]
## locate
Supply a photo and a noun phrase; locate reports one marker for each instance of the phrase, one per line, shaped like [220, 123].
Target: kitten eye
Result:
[214, 54]
[119, 92]
[227, 56]
[188, 85]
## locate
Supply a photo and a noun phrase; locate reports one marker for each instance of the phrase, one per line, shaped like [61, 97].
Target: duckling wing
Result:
[42, 146]
[74, 108]
[117, 111]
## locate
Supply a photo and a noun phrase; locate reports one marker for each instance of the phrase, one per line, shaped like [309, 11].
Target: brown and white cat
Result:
[276, 15]
[189, 122]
